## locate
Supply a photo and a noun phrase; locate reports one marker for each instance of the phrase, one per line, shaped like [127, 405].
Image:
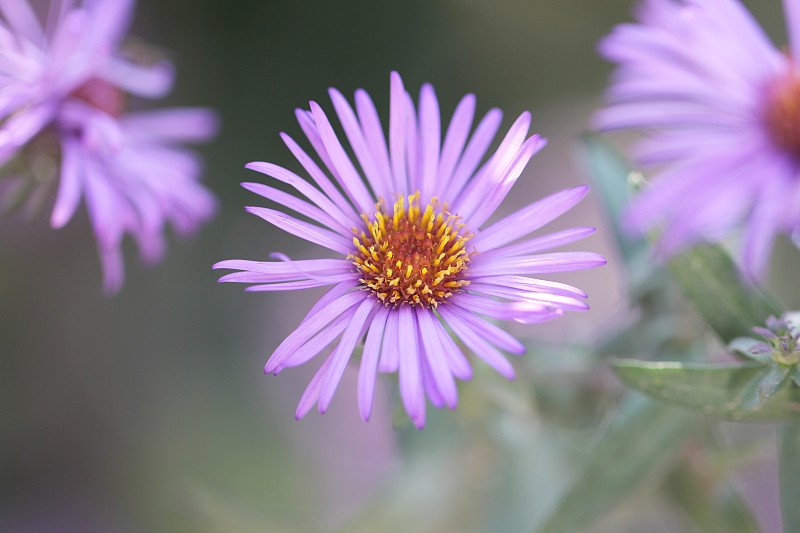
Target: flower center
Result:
[782, 113]
[102, 95]
[411, 256]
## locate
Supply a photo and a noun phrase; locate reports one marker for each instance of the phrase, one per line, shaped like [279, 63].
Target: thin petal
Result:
[430, 139]
[440, 370]
[369, 363]
[380, 183]
[319, 178]
[298, 206]
[497, 336]
[304, 230]
[398, 123]
[344, 350]
[69, 187]
[539, 244]
[311, 325]
[528, 219]
[539, 264]
[349, 178]
[147, 81]
[410, 374]
[390, 353]
[311, 394]
[479, 347]
[454, 141]
[475, 150]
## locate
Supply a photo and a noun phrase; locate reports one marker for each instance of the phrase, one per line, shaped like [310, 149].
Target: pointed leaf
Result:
[712, 504]
[795, 373]
[789, 471]
[771, 381]
[640, 442]
[745, 346]
[763, 386]
[612, 180]
[714, 390]
[710, 280]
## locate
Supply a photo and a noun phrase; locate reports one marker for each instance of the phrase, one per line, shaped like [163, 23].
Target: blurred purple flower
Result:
[722, 106]
[413, 260]
[68, 79]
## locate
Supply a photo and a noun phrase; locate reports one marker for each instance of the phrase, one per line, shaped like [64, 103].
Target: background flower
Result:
[69, 79]
[721, 108]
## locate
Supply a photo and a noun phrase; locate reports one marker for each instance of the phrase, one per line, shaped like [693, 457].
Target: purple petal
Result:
[496, 291]
[454, 141]
[496, 194]
[479, 347]
[409, 372]
[398, 123]
[316, 174]
[189, 124]
[429, 383]
[497, 336]
[440, 370]
[430, 139]
[376, 142]
[341, 355]
[69, 187]
[349, 178]
[528, 219]
[291, 285]
[526, 312]
[304, 188]
[23, 20]
[546, 242]
[304, 230]
[311, 325]
[456, 360]
[369, 363]
[147, 81]
[316, 344]
[311, 394]
[390, 353]
[791, 11]
[298, 206]
[486, 179]
[530, 284]
[538, 264]
[334, 293]
[763, 226]
[380, 182]
[474, 152]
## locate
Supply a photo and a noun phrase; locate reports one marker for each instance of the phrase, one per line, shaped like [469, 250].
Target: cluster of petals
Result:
[64, 75]
[424, 345]
[720, 105]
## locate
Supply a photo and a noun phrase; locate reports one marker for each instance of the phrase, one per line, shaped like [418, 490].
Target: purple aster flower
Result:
[721, 105]
[417, 267]
[68, 80]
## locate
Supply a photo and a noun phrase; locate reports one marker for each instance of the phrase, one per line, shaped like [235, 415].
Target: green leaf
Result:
[712, 504]
[795, 374]
[744, 346]
[613, 180]
[789, 471]
[638, 443]
[715, 390]
[710, 280]
[771, 381]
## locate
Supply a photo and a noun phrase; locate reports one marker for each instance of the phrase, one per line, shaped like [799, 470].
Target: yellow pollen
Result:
[412, 255]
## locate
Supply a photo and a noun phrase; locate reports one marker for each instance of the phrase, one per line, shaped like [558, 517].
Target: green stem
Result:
[789, 470]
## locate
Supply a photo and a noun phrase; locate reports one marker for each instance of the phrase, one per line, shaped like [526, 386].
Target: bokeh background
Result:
[149, 411]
